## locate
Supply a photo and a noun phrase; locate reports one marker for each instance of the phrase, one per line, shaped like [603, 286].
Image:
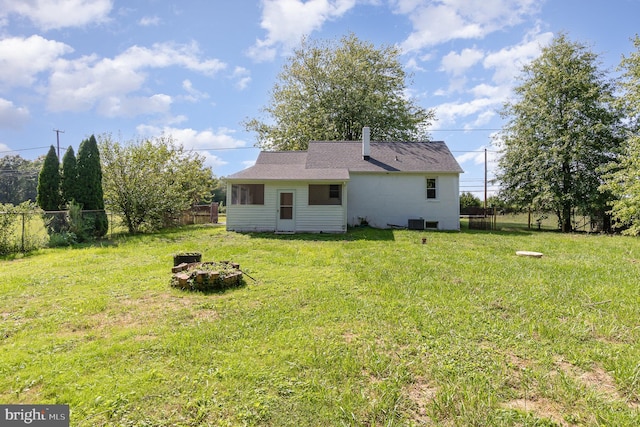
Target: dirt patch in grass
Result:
[143, 312]
[596, 379]
[349, 337]
[540, 408]
[420, 393]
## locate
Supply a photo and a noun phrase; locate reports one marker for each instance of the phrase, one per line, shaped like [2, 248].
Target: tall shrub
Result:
[90, 195]
[49, 197]
[70, 187]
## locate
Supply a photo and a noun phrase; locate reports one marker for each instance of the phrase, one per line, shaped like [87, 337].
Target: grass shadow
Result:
[352, 234]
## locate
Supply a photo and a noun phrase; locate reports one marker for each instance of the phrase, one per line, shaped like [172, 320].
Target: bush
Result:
[64, 238]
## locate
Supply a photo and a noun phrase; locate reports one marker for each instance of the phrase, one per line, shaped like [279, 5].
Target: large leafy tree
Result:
[330, 90]
[90, 193]
[18, 179]
[561, 130]
[150, 182]
[624, 178]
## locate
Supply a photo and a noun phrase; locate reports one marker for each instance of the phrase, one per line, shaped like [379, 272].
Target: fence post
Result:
[23, 230]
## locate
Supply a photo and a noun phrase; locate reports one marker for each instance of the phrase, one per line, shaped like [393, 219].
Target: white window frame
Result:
[435, 188]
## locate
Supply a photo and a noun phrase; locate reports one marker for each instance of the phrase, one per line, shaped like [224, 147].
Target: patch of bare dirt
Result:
[144, 311]
[541, 408]
[596, 379]
[420, 394]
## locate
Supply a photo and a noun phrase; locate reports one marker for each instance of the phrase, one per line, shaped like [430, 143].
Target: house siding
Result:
[391, 199]
[264, 218]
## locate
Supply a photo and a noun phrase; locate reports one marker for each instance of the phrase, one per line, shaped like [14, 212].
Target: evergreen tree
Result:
[49, 198]
[90, 195]
[70, 186]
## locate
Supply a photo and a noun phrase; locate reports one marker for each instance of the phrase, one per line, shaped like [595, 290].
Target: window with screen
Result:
[247, 194]
[325, 194]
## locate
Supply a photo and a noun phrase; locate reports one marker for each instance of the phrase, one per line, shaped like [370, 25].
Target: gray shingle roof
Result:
[334, 161]
[384, 157]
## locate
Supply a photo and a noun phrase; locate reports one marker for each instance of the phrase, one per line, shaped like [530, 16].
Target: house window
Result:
[432, 188]
[247, 194]
[326, 194]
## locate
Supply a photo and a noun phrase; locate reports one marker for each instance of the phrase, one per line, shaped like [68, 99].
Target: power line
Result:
[23, 149]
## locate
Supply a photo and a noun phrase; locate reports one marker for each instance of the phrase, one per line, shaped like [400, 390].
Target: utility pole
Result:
[485, 182]
[58, 132]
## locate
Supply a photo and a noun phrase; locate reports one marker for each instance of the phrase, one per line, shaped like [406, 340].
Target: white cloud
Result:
[149, 21]
[115, 106]
[5, 150]
[487, 99]
[89, 81]
[242, 76]
[21, 59]
[286, 21]
[477, 157]
[248, 163]
[508, 62]
[12, 117]
[198, 140]
[56, 14]
[457, 63]
[439, 21]
[193, 139]
[450, 112]
[193, 95]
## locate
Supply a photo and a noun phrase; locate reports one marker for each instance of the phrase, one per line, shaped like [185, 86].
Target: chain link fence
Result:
[24, 230]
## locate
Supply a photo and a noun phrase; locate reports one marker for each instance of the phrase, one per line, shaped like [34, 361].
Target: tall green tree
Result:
[561, 130]
[18, 179]
[149, 183]
[49, 197]
[623, 181]
[469, 200]
[330, 90]
[90, 194]
[69, 186]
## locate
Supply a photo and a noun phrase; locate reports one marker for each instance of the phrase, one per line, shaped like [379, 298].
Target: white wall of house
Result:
[394, 198]
[312, 219]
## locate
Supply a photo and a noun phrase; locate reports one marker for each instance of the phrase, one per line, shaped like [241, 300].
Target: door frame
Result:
[285, 225]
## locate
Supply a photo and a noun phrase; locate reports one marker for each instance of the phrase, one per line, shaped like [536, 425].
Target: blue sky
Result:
[195, 69]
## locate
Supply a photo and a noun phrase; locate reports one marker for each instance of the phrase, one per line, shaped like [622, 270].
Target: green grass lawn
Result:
[370, 328]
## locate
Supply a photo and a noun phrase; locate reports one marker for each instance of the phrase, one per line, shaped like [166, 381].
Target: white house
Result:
[333, 185]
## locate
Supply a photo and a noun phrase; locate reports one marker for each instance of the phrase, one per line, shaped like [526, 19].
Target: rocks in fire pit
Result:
[206, 276]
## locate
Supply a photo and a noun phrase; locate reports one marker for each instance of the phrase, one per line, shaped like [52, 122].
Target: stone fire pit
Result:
[206, 276]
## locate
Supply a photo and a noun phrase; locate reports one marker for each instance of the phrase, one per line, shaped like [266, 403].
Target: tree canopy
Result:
[561, 130]
[150, 182]
[330, 90]
[19, 179]
[623, 181]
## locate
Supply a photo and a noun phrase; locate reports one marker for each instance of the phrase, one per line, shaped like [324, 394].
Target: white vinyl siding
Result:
[308, 218]
[387, 200]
